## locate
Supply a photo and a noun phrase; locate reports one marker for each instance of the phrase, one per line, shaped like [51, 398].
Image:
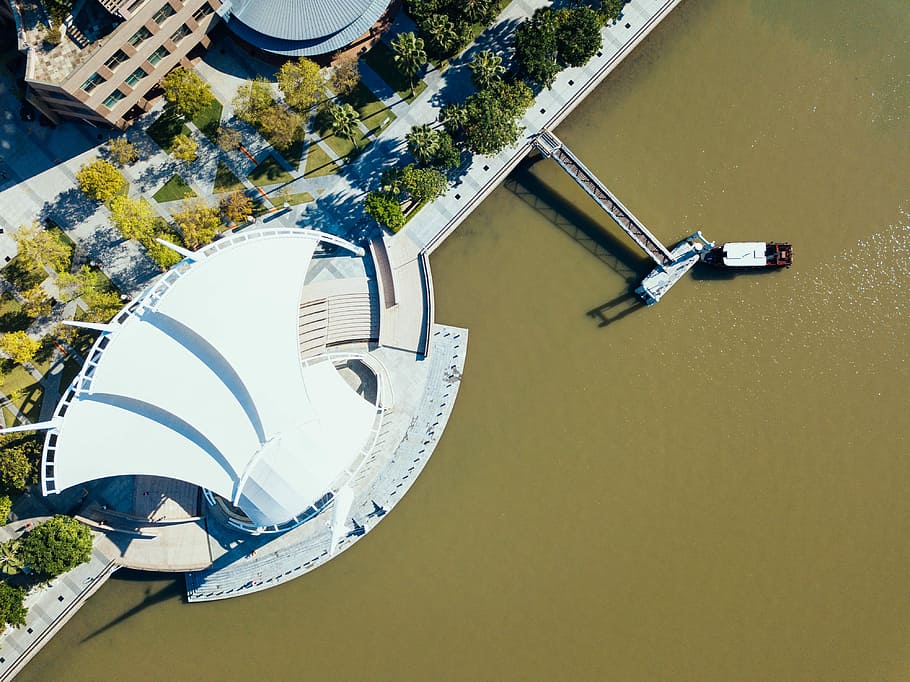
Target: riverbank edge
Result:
[533, 123]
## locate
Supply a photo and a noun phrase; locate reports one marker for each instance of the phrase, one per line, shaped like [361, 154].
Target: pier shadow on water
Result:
[173, 589]
[588, 233]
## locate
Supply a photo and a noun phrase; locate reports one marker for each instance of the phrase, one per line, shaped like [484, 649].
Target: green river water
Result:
[712, 489]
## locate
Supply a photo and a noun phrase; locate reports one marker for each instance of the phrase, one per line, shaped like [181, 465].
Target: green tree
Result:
[492, 117]
[441, 34]
[10, 562]
[385, 210]
[37, 302]
[346, 74]
[16, 468]
[102, 304]
[391, 181]
[345, 122]
[410, 55]
[424, 184]
[100, 180]
[608, 10]
[19, 346]
[578, 37]
[57, 545]
[186, 93]
[198, 222]
[479, 11]
[236, 206]
[228, 138]
[122, 151]
[253, 98]
[133, 217]
[6, 506]
[281, 126]
[535, 47]
[301, 82]
[38, 249]
[423, 143]
[486, 69]
[454, 117]
[12, 605]
[184, 148]
[58, 10]
[448, 155]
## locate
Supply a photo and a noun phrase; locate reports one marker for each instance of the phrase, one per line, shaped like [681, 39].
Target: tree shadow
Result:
[69, 208]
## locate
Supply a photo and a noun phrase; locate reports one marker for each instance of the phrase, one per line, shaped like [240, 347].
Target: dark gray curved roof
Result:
[303, 27]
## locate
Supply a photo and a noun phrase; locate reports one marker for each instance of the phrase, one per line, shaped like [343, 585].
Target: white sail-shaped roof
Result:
[203, 382]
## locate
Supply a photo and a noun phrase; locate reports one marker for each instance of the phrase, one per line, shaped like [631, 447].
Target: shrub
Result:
[12, 605]
[100, 180]
[385, 210]
[57, 545]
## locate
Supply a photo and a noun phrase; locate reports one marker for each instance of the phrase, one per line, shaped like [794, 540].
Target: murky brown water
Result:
[712, 489]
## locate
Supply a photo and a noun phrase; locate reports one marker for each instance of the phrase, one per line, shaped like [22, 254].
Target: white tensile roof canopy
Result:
[203, 382]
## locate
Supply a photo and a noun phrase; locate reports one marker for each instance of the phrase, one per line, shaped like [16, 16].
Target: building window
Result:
[203, 12]
[92, 82]
[158, 55]
[181, 33]
[135, 77]
[113, 98]
[140, 36]
[133, 7]
[163, 13]
[116, 60]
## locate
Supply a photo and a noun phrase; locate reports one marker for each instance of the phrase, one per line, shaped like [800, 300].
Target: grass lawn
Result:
[165, 129]
[294, 153]
[174, 189]
[300, 198]
[374, 114]
[209, 119]
[318, 163]
[380, 60]
[270, 172]
[342, 146]
[12, 317]
[23, 391]
[225, 180]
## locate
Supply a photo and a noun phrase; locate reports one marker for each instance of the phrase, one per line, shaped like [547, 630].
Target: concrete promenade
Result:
[49, 606]
[438, 220]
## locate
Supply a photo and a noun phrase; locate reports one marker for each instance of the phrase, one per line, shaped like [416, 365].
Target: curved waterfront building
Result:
[256, 409]
[295, 28]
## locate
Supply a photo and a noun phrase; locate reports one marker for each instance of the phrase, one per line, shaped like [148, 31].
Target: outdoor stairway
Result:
[552, 147]
[312, 327]
[352, 317]
[333, 320]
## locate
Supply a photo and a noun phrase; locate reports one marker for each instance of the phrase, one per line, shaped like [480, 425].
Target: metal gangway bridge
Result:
[671, 264]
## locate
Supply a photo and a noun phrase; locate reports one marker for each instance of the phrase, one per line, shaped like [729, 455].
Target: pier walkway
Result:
[552, 147]
[671, 265]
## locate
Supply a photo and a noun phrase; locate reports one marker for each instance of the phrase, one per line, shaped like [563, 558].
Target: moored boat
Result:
[749, 255]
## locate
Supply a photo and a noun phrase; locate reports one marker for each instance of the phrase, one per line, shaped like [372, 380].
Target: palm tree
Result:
[423, 143]
[10, 563]
[486, 69]
[409, 55]
[441, 31]
[454, 117]
[345, 122]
